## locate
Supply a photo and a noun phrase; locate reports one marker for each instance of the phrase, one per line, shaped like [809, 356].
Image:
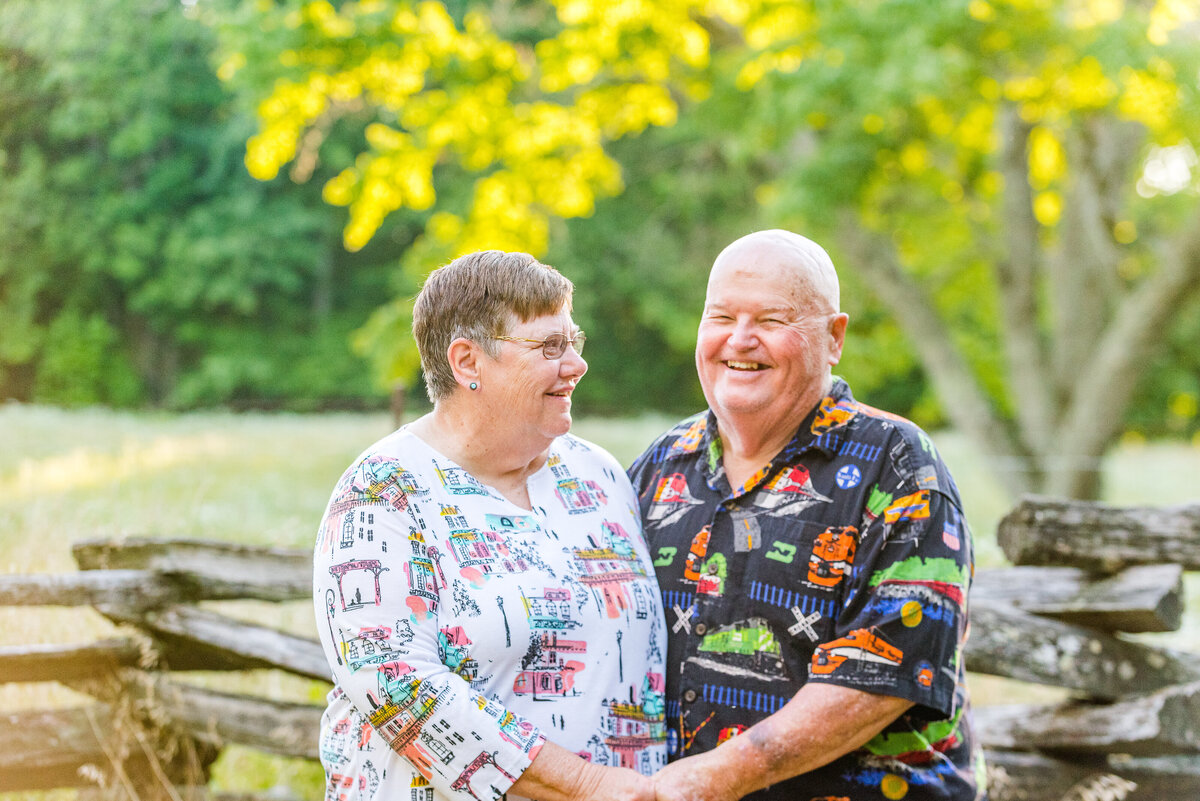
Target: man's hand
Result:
[696, 778]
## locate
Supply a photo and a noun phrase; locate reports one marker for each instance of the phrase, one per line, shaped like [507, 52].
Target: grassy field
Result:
[264, 479]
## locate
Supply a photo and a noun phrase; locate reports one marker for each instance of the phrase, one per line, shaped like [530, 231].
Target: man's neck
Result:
[750, 442]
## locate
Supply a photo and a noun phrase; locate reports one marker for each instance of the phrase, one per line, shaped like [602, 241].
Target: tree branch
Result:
[1085, 267]
[962, 397]
[1025, 351]
[1102, 393]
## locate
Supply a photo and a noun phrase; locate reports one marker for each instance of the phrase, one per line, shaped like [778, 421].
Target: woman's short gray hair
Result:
[477, 297]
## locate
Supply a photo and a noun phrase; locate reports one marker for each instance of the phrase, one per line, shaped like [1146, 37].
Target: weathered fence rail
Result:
[1059, 617]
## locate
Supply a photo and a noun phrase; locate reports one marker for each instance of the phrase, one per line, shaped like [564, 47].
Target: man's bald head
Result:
[803, 264]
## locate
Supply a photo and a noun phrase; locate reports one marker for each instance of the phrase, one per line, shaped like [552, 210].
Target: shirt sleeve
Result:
[903, 620]
[378, 584]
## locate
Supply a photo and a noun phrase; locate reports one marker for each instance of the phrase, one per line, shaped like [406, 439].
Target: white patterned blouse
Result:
[462, 630]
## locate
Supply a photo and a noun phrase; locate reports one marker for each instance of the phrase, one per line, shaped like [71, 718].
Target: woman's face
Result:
[525, 390]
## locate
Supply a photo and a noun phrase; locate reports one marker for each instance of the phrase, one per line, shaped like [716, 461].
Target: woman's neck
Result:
[489, 452]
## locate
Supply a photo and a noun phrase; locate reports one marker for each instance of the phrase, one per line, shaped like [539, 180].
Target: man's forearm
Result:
[821, 723]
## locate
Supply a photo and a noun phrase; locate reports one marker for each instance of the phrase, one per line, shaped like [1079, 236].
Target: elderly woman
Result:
[484, 595]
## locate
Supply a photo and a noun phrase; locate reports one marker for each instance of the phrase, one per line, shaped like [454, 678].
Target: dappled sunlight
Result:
[40, 695]
[83, 468]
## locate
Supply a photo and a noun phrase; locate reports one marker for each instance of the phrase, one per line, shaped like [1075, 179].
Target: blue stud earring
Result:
[473, 385]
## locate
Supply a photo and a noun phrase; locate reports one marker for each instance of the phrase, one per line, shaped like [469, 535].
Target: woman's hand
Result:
[559, 775]
[617, 784]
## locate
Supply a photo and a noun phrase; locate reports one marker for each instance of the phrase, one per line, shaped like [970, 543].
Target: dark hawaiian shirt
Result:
[846, 560]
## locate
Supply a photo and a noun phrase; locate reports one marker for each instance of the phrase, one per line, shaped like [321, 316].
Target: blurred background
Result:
[214, 215]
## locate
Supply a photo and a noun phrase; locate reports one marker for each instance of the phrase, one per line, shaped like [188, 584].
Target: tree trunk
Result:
[962, 397]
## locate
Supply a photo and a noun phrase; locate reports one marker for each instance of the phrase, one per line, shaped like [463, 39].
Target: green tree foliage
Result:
[140, 262]
[998, 173]
[1004, 194]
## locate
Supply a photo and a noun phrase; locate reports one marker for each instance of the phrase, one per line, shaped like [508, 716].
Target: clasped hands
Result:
[695, 778]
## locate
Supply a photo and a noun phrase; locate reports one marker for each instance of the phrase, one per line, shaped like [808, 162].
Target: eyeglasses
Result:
[555, 345]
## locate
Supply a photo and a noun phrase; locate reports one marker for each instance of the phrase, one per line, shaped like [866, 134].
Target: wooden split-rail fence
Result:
[1084, 577]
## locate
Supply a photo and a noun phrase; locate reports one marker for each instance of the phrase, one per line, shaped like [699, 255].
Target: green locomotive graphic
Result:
[748, 643]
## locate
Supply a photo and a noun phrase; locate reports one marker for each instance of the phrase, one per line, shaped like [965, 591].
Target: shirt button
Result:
[689, 695]
[700, 629]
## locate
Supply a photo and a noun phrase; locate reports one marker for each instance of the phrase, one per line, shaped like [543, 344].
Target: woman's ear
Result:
[464, 356]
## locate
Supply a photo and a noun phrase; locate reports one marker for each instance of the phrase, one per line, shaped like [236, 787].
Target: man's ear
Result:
[837, 336]
[464, 356]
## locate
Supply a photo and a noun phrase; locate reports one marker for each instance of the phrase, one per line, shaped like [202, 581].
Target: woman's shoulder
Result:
[397, 452]
[582, 453]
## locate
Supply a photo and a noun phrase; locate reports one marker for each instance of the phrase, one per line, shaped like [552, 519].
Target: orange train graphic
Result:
[691, 567]
[832, 555]
[859, 645]
[911, 507]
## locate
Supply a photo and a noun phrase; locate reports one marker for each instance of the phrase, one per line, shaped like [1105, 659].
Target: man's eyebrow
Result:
[779, 309]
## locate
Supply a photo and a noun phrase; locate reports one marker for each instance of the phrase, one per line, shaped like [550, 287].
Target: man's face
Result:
[766, 341]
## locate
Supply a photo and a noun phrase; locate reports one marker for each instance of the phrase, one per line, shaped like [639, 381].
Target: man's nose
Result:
[744, 334]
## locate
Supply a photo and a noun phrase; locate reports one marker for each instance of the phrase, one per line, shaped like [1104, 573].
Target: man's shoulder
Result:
[682, 439]
[890, 425]
[907, 447]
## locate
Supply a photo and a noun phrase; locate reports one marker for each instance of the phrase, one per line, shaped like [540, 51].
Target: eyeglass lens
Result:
[555, 345]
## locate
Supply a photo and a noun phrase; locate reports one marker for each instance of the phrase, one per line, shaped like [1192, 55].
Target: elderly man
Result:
[813, 559]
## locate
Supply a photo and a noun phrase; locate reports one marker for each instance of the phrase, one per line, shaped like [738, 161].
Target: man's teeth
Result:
[744, 365]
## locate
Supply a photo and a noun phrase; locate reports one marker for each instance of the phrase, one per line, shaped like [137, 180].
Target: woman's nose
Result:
[571, 363]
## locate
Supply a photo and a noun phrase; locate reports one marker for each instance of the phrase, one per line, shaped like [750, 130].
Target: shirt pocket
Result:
[793, 580]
